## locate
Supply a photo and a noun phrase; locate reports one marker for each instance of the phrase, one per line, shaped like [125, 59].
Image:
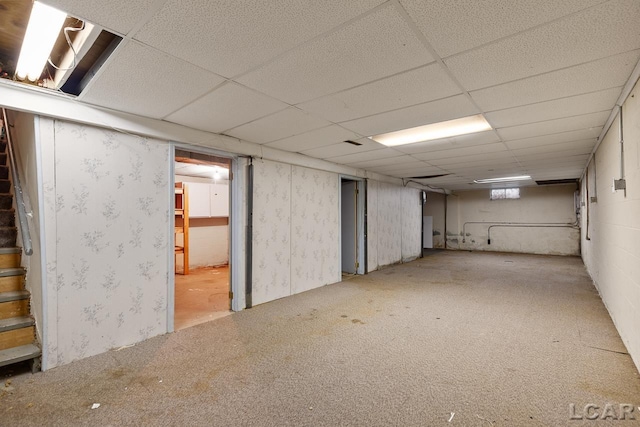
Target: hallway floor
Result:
[456, 338]
[201, 296]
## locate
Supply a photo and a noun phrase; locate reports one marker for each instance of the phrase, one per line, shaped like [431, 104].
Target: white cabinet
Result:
[208, 200]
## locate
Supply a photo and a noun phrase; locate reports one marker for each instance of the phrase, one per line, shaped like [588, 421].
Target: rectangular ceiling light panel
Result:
[450, 128]
[44, 26]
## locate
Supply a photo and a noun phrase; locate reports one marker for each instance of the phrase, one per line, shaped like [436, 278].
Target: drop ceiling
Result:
[304, 76]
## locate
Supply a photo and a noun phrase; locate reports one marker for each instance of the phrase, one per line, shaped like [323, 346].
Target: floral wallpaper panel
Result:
[411, 224]
[315, 229]
[110, 273]
[389, 223]
[271, 269]
[372, 225]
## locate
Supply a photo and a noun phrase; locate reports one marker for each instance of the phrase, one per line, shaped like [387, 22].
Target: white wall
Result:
[612, 255]
[435, 208]
[545, 204]
[394, 224]
[208, 237]
[295, 231]
[107, 207]
[24, 144]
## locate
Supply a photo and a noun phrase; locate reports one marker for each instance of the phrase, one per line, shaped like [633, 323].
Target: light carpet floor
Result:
[456, 338]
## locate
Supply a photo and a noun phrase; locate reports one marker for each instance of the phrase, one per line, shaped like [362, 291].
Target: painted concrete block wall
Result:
[394, 216]
[25, 149]
[435, 208]
[208, 237]
[545, 204]
[612, 253]
[107, 207]
[296, 230]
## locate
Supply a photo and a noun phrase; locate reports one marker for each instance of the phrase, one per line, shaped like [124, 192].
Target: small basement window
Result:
[505, 193]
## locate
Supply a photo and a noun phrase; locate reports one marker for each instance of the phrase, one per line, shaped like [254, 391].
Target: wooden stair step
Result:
[19, 354]
[16, 323]
[13, 296]
[17, 337]
[12, 271]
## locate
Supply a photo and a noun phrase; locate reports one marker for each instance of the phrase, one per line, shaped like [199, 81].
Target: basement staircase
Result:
[17, 327]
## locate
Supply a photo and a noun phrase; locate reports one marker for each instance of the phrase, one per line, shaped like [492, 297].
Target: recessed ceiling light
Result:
[503, 179]
[439, 130]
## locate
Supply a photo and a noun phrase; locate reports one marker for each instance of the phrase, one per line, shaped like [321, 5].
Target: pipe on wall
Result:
[249, 237]
[528, 226]
[464, 225]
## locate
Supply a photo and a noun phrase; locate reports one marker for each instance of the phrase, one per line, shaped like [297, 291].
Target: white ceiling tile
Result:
[587, 121]
[455, 26]
[578, 135]
[559, 108]
[579, 38]
[423, 114]
[582, 147]
[413, 87]
[231, 37]
[375, 46]
[342, 149]
[226, 107]
[280, 125]
[546, 156]
[603, 74]
[560, 174]
[464, 151]
[135, 81]
[387, 161]
[498, 151]
[329, 135]
[407, 163]
[411, 169]
[118, 15]
[471, 140]
[366, 156]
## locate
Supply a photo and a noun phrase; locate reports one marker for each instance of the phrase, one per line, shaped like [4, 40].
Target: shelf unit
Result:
[182, 224]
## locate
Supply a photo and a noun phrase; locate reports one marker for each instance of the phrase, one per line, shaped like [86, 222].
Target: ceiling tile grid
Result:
[317, 138]
[135, 80]
[343, 148]
[305, 76]
[586, 121]
[611, 72]
[580, 38]
[402, 90]
[120, 16]
[226, 107]
[283, 124]
[456, 26]
[230, 37]
[417, 115]
[559, 108]
[376, 46]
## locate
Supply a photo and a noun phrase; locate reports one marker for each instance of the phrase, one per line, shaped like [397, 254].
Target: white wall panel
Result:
[612, 252]
[315, 229]
[107, 233]
[411, 224]
[271, 231]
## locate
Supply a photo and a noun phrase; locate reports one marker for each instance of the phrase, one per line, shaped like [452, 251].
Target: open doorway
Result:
[352, 226]
[202, 238]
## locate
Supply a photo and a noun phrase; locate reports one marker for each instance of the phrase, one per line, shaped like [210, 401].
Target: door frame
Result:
[237, 222]
[361, 215]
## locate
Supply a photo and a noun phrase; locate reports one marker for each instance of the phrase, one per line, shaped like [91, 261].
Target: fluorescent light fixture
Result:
[503, 179]
[44, 26]
[439, 130]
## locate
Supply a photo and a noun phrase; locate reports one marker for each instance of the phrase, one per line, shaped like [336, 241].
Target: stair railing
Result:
[17, 190]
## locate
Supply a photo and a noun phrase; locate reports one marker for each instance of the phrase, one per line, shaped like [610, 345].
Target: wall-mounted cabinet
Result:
[208, 200]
